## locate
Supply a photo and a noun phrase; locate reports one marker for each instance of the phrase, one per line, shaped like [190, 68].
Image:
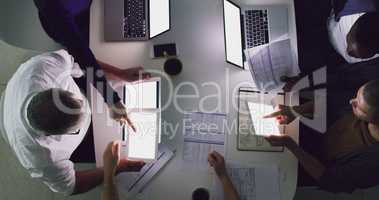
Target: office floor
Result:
[15, 183]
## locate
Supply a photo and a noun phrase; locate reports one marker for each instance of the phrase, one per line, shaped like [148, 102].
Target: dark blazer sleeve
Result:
[353, 76]
[60, 24]
[354, 171]
[350, 7]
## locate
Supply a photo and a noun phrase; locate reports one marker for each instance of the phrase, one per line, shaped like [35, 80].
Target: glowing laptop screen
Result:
[159, 16]
[233, 33]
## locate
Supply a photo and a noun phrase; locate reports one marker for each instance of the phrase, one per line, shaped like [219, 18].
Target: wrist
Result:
[223, 178]
[108, 178]
[109, 175]
[299, 110]
[292, 146]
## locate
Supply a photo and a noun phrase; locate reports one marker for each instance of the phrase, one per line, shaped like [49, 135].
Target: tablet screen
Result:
[263, 126]
[143, 144]
[143, 95]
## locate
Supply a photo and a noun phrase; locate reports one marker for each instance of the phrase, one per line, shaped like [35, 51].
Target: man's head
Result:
[366, 104]
[363, 38]
[56, 112]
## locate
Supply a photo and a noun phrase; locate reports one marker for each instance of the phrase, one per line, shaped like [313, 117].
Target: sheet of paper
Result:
[251, 183]
[204, 133]
[263, 126]
[269, 62]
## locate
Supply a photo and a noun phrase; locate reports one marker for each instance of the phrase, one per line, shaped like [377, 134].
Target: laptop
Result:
[249, 26]
[135, 20]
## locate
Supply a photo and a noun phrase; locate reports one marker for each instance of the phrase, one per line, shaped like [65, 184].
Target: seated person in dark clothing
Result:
[67, 22]
[350, 146]
[353, 29]
[351, 34]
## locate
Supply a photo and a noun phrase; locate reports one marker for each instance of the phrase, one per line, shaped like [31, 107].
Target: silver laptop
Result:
[250, 26]
[135, 20]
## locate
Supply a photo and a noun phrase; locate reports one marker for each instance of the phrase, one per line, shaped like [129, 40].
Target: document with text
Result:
[204, 133]
[251, 183]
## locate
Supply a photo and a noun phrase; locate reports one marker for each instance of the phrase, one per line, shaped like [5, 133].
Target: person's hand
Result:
[118, 113]
[217, 161]
[126, 165]
[281, 140]
[111, 158]
[133, 74]
[284, 115]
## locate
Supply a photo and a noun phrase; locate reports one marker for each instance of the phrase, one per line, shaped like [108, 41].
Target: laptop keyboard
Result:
[256, 25]
[135, 19]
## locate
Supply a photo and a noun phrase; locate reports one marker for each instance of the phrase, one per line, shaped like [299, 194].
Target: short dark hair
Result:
[367, 31]
[371, 97]
[45, 114]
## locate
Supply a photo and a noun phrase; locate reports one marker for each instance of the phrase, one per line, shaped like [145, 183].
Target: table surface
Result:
[197, 30]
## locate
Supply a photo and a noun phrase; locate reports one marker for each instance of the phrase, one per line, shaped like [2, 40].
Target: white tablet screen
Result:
[263, 126]
[142, 95]
[233, 33]
[143, 143]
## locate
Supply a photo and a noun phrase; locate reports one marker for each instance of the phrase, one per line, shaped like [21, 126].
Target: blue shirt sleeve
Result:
[59, 23]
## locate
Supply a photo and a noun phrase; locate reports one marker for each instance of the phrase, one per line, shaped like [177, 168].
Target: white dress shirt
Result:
[45, 157]
[338, 32]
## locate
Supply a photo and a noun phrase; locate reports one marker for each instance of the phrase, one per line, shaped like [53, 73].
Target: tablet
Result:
[263, 126]
[143, 144]
[142, 99]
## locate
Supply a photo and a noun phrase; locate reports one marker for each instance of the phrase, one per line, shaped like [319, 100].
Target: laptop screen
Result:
[159, 16]
[233, 33]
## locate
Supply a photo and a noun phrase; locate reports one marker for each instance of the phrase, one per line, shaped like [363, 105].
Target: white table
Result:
[197, 30]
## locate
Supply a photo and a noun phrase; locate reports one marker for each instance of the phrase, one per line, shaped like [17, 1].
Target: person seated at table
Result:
[46, 117]
[67, 23]
[112, 158]
[353, 29]
[349, 147]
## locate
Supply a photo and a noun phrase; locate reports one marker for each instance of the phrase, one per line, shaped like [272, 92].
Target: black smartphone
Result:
[162, 50]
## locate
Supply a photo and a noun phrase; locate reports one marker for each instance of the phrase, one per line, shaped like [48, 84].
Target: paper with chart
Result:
[251, 183]
[268, 63]
[204, 133]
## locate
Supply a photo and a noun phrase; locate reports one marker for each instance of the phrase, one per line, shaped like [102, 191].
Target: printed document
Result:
[251, 183]
[268, 63]
[204, 133]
